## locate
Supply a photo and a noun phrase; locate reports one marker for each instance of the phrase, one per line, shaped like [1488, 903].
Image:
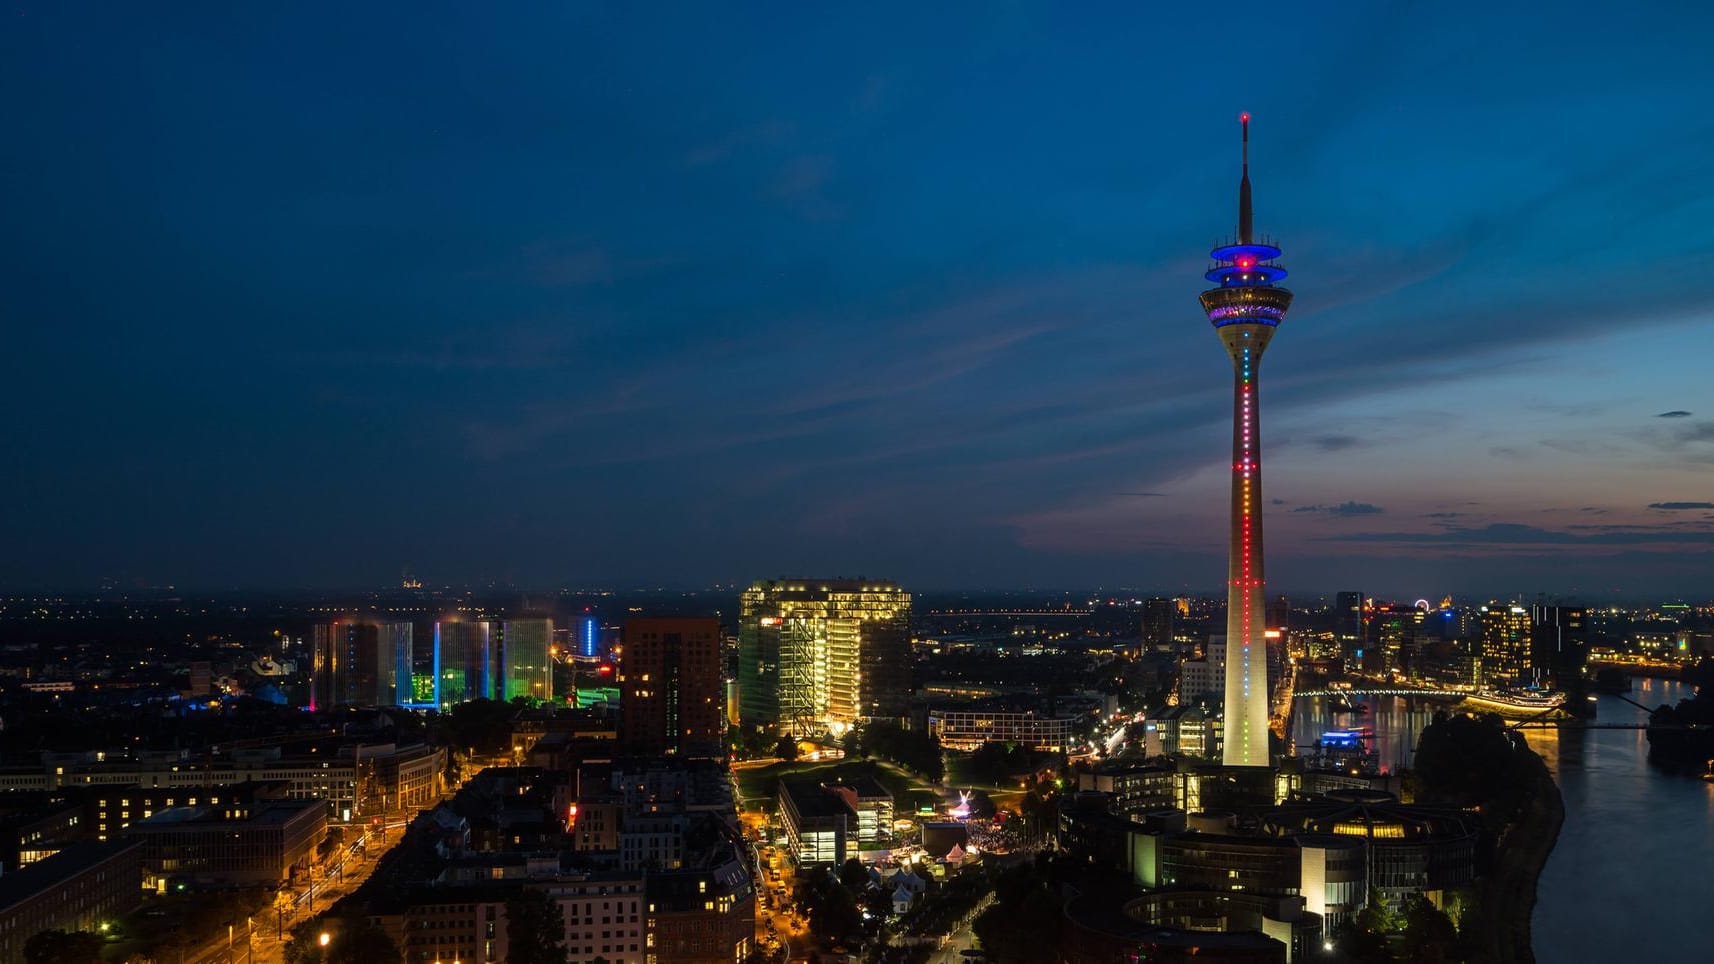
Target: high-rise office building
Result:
[1505, 644]
[815, 654]
[357, 662]
[398, 653]
[1397, 637]
[525, 668]
[1159, 621]
[672, 687]
[1558, 637]
[464, 660]
[1245, 307]
[588, 642]
[1348, 622]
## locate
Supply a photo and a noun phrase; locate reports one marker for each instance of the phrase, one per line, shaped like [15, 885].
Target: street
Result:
[343, 874]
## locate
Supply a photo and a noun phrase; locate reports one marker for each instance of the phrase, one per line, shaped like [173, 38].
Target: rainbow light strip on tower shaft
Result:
[1245, 307]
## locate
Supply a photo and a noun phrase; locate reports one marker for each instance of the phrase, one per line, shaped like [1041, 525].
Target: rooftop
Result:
[810, 799]
[73, 859]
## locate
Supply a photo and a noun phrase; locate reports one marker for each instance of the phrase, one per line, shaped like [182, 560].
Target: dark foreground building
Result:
[78, 889]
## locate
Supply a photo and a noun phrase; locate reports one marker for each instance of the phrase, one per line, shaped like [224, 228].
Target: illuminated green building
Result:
[525, 668]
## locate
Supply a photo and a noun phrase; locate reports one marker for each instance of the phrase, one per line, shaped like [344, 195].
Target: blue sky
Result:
[662, 294]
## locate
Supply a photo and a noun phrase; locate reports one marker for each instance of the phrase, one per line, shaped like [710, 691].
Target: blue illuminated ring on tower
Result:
[1255, 252]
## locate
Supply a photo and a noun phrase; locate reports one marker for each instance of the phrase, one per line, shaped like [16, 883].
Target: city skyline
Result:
[524, 300]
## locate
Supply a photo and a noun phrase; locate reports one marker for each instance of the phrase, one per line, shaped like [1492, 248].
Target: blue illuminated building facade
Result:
[586, 637]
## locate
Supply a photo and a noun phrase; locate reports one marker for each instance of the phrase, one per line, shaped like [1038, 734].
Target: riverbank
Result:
[1498, 920]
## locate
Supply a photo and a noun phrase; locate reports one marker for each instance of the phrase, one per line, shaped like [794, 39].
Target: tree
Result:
[1358, 945]
[302, 948]
[535, 929]
[853, 746]
[354, 941]
[483, 726]
[62, 947]
[1430, 936]
[1377, 915]
[879, 903]
[1466, 761]
[911, 749]
[836, 915]
[1023, 923]
[854, 875]
[786, 749]
[361, 942]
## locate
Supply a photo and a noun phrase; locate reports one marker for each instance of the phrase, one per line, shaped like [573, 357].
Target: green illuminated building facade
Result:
[525, 669]
[493, 659]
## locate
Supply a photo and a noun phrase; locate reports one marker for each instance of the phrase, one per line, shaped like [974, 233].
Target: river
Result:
[1627, 879]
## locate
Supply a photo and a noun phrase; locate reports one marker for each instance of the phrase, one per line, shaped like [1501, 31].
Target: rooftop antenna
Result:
[1245, 231]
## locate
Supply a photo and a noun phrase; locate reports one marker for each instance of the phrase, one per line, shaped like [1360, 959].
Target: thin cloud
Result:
[1343, 510]
[1675, 506]
[1337, 443]
[1675, 413]
[1516, 534]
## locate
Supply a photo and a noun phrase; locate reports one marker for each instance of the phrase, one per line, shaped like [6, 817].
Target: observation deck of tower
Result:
[1245, 309]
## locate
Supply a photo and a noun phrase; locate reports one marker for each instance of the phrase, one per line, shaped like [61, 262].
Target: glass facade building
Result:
[360, 663]
[464, 661]
[1507, 637]
[525, 667]
[817, 654]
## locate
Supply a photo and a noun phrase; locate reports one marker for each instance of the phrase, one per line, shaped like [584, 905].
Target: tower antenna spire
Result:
[1245, 231]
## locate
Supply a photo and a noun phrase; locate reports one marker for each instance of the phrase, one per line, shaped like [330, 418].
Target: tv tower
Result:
[1245, 309]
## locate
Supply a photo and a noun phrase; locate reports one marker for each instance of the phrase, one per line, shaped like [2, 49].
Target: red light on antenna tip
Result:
[1245, 117]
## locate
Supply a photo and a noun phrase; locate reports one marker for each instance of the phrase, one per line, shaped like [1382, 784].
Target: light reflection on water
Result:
[1628, 877]
[1390, 728]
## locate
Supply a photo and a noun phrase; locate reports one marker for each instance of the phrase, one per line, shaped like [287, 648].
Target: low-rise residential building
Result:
[448, 922]
[705, 912]
[656, 871]
[633, 813]
[604, 916]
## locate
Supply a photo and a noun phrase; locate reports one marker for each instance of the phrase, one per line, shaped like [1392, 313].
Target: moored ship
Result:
[1514, 703]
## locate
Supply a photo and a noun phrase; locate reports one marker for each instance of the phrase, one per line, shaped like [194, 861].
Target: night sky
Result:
[303, 295]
